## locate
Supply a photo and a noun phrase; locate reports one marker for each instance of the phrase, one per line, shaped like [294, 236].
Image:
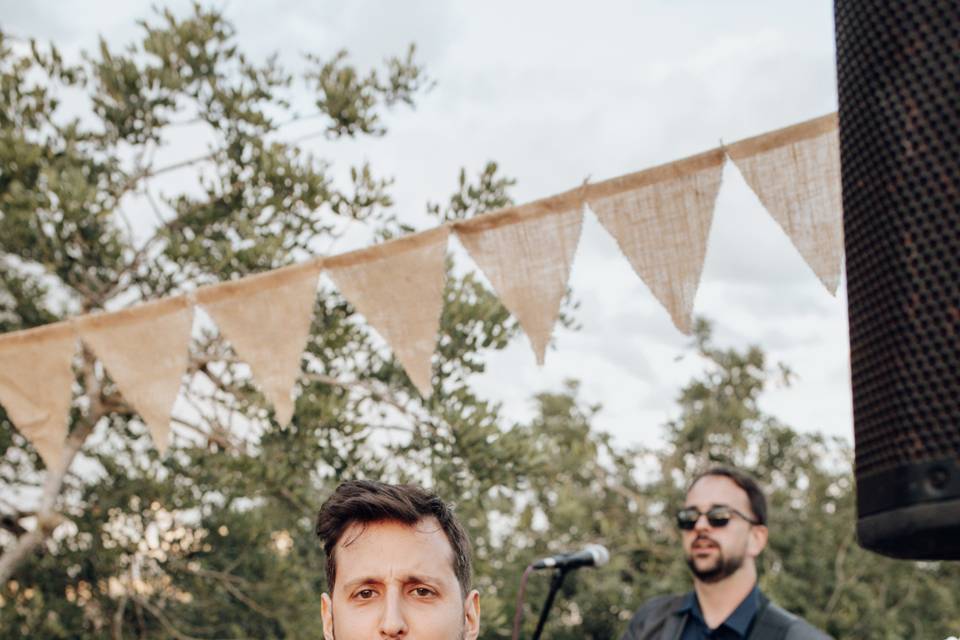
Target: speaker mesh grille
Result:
[899, 86]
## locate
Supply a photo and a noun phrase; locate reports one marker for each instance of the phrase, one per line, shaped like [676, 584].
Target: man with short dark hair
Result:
[723, 527]
[398, 566]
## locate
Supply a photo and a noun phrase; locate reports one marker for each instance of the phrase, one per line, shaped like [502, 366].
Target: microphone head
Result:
[599, 553]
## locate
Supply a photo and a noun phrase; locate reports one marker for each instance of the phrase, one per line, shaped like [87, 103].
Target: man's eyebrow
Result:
[408, 579]
[356, 582]
[713, 505]
[422, 579]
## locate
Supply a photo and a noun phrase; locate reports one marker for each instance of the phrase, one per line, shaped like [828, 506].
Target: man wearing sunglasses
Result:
[723, 528]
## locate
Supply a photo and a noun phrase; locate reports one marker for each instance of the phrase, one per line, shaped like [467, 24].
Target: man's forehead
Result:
[710, 490]
[389, 545]
[426, 529]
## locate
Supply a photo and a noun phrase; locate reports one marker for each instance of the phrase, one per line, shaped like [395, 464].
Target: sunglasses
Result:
[717, 517]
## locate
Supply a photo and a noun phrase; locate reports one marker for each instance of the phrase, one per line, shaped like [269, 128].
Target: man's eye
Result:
[423, 592]
[366, 594]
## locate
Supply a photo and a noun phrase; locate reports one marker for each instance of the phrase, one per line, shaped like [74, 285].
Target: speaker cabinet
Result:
[898, 73]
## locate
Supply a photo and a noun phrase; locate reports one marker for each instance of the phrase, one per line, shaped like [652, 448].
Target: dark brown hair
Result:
[367, 501]
[758, 502]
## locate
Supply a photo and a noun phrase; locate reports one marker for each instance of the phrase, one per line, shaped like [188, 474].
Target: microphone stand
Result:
[555, 584]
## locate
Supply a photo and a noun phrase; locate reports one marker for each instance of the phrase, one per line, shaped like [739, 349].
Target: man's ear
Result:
[326, 613]
[757, 540]
[471, 616]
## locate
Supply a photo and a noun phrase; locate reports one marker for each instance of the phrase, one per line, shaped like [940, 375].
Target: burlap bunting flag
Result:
[795, 173]
[267, 320]
[36, 377]
[145, 350]
[398, 287]
[527, 253]
[661, 220]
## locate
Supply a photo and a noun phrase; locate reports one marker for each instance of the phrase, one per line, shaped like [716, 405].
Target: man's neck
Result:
[719, 599]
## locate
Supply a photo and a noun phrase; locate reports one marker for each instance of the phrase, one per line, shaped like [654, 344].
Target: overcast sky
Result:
[556, 92]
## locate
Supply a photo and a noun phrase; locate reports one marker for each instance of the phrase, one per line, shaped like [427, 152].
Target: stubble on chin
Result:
[722, 567]
[714, 573]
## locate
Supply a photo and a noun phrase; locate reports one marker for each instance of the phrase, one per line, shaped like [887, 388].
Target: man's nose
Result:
[394, 623]
[701, 523]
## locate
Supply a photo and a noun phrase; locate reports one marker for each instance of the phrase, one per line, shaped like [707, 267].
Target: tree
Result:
[214, 539]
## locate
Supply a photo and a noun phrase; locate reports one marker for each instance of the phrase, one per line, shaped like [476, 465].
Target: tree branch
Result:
[608, 480]
[376, 394]
[221, 440]
[117, 629]
[140, 253]
[147, 173]
[230, 582]
[838, 572]
[164, 621]
[48, 519]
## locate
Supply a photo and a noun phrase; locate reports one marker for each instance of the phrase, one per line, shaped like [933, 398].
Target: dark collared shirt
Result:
[735, 627]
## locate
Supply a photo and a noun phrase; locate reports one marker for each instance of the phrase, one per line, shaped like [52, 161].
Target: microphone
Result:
[592, 555]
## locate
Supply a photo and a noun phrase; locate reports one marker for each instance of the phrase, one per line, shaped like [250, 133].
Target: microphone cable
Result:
[518, 615]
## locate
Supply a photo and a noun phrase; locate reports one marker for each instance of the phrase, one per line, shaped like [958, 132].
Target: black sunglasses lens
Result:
[718, 517]
[687, 518]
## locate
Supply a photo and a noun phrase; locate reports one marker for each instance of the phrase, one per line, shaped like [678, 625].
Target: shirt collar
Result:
[689, 603]
[738, 621]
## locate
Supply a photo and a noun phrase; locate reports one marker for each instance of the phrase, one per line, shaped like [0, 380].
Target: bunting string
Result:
[659, 217]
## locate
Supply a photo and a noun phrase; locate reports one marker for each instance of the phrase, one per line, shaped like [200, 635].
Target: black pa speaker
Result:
[899, 86]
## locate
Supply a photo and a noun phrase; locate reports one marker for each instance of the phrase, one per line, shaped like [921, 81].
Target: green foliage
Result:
[350, 101]
[489, 193]
[216, 539]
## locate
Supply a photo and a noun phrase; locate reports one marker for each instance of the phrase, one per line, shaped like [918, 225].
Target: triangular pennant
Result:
[145, 350]
[398, 287]
[526, 254]
[267, 320]
[36, 377]
[661, 224]
[797, 177]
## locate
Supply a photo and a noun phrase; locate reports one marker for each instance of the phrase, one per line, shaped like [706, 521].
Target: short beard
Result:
[722, 569]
